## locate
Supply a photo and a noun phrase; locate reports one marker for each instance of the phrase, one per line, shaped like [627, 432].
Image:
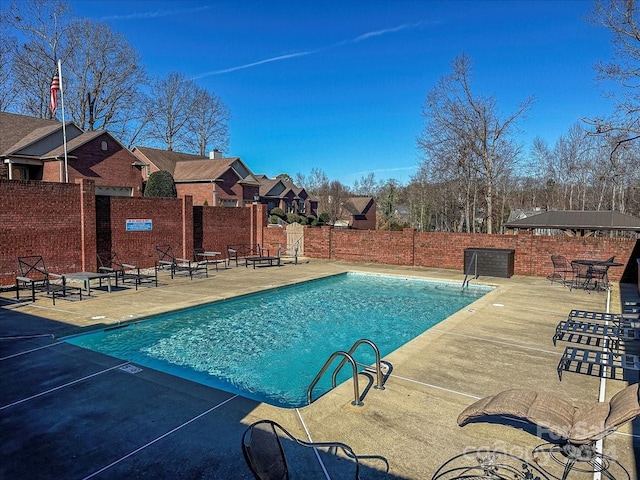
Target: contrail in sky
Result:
[359, 38]
[154, 14]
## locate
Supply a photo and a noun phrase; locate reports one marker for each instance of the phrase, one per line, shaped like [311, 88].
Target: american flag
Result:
[55, 88]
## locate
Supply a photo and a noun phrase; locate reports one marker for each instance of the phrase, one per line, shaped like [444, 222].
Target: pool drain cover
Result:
[130, 369]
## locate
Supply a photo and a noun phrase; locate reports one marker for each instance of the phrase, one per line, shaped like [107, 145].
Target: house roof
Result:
[360, 205]
[578, 220]
[20, 131]
[186, 167]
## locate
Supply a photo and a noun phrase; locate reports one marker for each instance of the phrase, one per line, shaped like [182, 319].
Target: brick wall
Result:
[446, 250]
[138, 248]
[68, 224]
[38, 218]
[272, 237]
[199, 191]
[217, 227]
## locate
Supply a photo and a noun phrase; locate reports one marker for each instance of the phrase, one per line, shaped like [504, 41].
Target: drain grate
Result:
[130, 369]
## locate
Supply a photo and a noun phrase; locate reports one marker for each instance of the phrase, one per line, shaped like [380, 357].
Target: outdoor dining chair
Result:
[266, 458]
[561, 269]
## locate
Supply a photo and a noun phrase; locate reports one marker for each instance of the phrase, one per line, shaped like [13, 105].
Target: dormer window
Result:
[103, 146]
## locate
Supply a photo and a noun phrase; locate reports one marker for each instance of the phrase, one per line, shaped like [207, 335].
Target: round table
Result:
[488, 465]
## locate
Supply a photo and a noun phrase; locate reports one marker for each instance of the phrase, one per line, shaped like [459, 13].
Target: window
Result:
[227, 202]
[301, 207]
[20, 173]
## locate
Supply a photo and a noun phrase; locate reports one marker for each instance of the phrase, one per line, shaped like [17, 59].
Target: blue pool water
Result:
[269, 346]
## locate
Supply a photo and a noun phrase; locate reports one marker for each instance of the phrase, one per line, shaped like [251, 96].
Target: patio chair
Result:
[561, 269]
[599, 274]
[581, 275]
[577, 428]
[265, 455]
[167, 260]
[109, 262]
[35, 277]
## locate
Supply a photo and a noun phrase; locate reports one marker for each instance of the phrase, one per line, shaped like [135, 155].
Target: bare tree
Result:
[208, 121]
[44, 27]
[620, 17]
[169, 108]
[334, 200]
[366, 186]
[8, 87]
[104, 78]
[459, 122]
[313, 183]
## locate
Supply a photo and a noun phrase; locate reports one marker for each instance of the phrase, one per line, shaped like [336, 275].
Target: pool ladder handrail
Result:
[473, 261]
[348, 357]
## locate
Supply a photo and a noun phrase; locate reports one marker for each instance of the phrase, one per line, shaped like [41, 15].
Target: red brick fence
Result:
[68, 225]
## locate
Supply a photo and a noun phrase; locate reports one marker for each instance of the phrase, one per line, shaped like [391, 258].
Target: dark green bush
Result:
[278, 211]
[160, 185]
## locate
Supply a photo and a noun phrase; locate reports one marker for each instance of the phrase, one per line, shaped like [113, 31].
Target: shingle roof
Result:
[186, 167]
[578, 220]
[19, 131]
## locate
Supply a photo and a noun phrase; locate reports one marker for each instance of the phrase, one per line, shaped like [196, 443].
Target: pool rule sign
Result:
[139, 225]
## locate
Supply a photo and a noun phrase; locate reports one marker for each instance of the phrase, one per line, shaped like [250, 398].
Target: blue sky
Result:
[339, 85]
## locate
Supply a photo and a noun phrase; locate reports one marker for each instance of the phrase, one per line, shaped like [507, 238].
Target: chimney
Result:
[215, 154]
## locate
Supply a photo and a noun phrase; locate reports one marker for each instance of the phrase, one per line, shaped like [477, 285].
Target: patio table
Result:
[590, 264]
[86, 277]
[210, 257]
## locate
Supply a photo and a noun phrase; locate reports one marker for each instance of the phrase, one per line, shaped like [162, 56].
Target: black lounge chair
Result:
[35, 277]
[109, 262]
[577, 428]
[262, 258]
[242, 251]
[598, 328]
[265, 455]
[167, 260]
[588, 332]
[607, 362]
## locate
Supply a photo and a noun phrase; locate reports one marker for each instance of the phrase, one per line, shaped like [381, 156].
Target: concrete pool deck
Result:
[67, 412]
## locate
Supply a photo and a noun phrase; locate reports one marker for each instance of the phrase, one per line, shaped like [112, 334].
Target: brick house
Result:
[215, 180]
[281, 193]
[33, 149]
[358, 213]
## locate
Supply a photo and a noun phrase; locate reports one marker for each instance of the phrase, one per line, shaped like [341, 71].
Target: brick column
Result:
[187, 226]
[88, 248]
[258, 222]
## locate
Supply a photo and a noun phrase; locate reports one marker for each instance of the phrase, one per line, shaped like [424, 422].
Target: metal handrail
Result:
[353, 348]
[347, 357]
[474, 262]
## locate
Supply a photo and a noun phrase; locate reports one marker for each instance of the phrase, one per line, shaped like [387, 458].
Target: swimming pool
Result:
[269, 346]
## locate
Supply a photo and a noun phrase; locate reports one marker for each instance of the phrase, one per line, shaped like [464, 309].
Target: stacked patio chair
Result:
[168, 261]
[611, 333]
[35, 277]
[597, 328]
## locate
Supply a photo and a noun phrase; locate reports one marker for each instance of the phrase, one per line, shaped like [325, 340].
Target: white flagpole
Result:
[64, 129]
